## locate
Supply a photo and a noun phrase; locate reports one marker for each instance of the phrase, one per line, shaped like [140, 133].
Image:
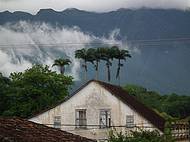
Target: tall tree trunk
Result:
[108, 73]
[96, 68]
[85, 74]
[119, 80]
[109, 77]
[118, 71]
[62, 70]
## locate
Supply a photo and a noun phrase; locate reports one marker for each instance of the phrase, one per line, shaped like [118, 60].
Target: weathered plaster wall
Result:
[92, 98]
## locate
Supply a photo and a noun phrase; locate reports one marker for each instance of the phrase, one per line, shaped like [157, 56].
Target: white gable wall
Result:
[92, 98]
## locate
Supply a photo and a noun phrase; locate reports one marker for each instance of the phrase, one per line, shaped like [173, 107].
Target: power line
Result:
[62, 44]
[161, 40]
[150, 42]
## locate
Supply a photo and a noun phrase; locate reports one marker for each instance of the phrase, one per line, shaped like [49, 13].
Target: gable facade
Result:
[91, 112]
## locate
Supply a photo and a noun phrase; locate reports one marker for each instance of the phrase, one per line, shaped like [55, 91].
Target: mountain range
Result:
[133, 24]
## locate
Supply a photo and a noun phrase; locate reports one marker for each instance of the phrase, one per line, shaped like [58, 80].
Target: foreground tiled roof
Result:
[19, 130]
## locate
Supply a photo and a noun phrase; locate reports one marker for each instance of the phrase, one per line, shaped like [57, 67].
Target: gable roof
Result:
[16, 129]
[129, 100]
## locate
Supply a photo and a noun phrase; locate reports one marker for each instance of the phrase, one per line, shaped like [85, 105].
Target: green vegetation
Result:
[61, 63]
[86, 57]
[23, 94]
[120, 55]
[106, 54]
[4, 86]
[139, 136]
[170, 106]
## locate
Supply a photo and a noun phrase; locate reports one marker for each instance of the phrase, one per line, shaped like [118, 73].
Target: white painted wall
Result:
[92, 98]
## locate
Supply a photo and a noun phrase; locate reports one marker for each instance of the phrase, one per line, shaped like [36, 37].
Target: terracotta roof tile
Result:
[20, 130]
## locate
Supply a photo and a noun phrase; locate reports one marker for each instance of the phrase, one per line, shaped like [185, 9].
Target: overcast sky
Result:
[33, 6]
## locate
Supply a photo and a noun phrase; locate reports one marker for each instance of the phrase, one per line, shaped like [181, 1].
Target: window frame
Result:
[130, 121]
[107, 118]
[57, 122]
[79, 120]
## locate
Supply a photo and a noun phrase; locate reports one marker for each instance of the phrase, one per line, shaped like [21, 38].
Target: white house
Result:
[97, 107]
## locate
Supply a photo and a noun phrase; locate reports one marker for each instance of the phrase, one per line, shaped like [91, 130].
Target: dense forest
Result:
[170, 106]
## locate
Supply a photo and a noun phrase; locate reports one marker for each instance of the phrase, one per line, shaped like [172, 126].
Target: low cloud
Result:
[23, 44]
[7, 66]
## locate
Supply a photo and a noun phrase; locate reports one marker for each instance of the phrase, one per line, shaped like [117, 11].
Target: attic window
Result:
[81, 118]
[57, 122]
[130, 121]
[105, 119]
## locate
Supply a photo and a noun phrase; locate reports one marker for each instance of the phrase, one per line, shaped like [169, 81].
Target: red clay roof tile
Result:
[20, 130]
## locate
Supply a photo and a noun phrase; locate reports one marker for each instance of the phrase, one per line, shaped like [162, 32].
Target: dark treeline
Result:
[171, 106]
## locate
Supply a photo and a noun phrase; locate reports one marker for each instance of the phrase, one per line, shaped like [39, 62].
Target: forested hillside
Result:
[174, 105]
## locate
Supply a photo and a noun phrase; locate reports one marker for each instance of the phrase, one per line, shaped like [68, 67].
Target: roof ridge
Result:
[133, 102]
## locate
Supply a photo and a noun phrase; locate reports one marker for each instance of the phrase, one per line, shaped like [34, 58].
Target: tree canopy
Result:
[33, 90]
[174, 105]
[4, 85]
[106, 54]
[61, 63]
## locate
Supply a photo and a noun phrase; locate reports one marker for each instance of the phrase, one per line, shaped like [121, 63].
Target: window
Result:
[81, 118]
[57, 122]
[130, 121]
[105, 118]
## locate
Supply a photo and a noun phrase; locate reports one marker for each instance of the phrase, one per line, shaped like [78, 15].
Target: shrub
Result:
[138, 136]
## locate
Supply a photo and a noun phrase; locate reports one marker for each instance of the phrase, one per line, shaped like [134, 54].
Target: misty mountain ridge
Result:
[162, 66]
[133, 24]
